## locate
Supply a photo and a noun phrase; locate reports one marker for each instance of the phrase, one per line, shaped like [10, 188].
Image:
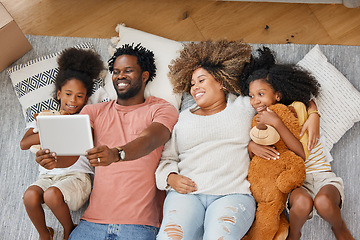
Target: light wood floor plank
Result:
[191, 20]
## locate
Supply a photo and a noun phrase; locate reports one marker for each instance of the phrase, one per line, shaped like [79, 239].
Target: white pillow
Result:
[338, 101]
[164, 50]
[34, 84]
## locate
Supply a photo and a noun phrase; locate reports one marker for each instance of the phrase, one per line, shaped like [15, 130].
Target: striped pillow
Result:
[34, 84]
[338, 101]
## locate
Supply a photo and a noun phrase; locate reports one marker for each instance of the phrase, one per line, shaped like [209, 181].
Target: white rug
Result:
[18, 168]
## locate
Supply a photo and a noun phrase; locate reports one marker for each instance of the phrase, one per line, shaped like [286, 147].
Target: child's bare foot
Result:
[49, 236]
[66, 236]
[342, 233]
[293, 236]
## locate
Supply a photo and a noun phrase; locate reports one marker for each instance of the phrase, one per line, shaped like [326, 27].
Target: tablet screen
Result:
[66, 135]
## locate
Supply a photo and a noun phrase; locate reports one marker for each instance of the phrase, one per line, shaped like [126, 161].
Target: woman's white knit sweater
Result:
[210, 150]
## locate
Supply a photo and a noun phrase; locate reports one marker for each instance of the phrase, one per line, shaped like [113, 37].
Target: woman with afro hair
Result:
[322, 191]
[205, 163]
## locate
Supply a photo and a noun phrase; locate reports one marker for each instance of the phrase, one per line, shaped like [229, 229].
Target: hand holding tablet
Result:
[66, 135]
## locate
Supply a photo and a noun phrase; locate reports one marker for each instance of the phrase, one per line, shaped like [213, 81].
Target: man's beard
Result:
[133, 90]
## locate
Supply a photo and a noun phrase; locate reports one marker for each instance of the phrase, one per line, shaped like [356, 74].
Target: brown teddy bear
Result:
[272, 180]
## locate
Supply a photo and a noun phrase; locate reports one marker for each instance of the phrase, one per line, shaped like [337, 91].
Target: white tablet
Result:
[66, 135]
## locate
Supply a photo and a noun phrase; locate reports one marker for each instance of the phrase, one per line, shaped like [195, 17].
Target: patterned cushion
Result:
[338, 101]
[34, 84]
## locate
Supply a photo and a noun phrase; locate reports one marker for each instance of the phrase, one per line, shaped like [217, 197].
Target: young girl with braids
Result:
[64, 189]
[271, 83]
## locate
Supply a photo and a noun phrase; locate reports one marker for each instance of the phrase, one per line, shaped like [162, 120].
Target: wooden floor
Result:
[191, 20]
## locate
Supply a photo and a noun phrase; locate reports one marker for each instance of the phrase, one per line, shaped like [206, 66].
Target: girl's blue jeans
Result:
[96, 231]
[199, 216]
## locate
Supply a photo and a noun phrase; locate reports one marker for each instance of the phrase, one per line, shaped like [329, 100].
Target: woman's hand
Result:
[181, 184]
[46, 158]
[266, 152]
[312, 125]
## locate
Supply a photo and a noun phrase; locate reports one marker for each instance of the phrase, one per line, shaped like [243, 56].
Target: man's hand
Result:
[181, 184]
[102, 156]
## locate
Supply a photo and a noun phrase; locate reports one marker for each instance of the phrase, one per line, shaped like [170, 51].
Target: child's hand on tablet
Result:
[46, 158]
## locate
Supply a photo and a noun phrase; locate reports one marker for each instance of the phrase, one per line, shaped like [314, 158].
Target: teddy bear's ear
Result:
[292, 109]
[45, 112]
[63, 112]
[269, 136]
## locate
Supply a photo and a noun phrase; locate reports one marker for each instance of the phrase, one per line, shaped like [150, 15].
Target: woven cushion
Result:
[34, 84]
[338, 101]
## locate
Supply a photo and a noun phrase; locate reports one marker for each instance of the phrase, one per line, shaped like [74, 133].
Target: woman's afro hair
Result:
[145, 58]
[81, 64]
[223, 59]
[293, 82]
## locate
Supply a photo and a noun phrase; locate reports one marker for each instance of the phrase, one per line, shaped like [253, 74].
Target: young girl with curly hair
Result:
[322, 190]
[64, 189]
